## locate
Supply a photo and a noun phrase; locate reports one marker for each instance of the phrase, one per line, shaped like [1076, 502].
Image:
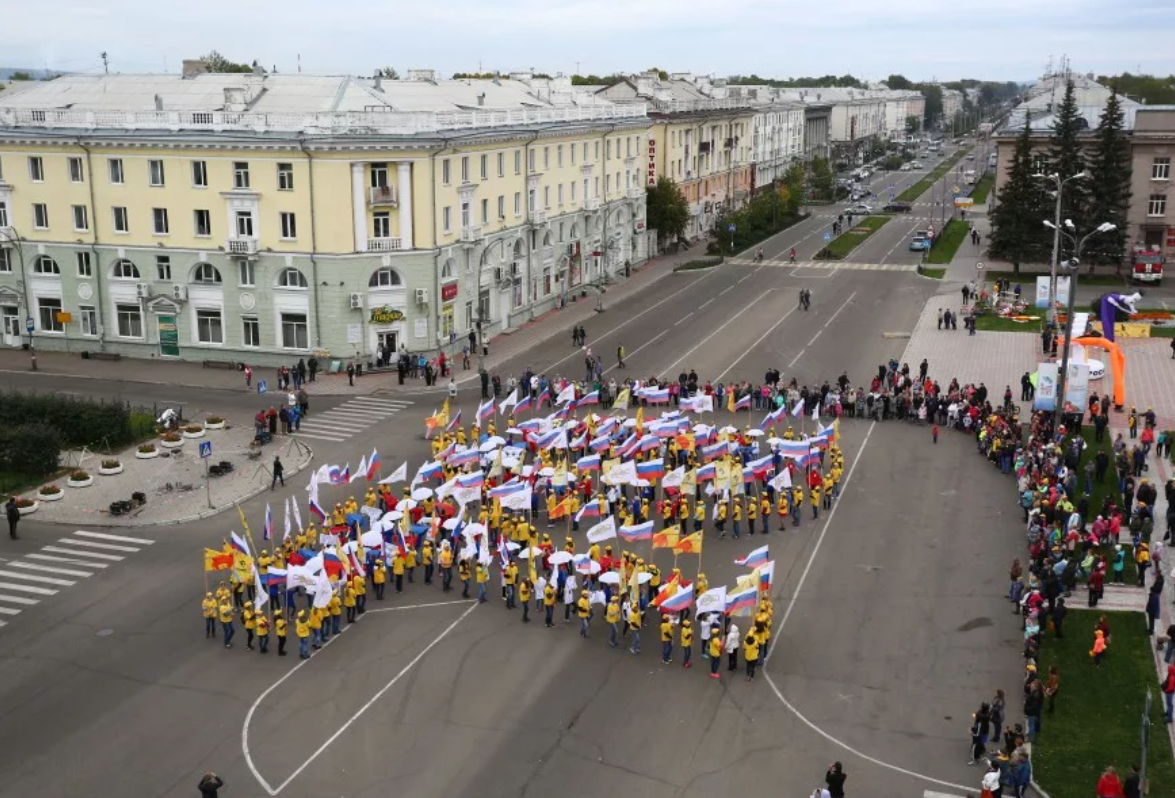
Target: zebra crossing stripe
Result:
[114, 538]
[41, 591]
[80, 555]
[69, 560]
[42, 568]
[99, 546]
[48, 580]
[332, 439]
[19, 600]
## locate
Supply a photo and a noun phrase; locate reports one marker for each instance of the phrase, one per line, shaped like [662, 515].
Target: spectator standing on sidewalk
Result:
[278, 473]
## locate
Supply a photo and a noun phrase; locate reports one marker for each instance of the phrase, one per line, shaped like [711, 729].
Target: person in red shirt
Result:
[1108, 786]
[1097, 581]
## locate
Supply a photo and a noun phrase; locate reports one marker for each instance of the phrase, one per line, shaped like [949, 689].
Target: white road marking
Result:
[797, 357]
[70, 560]
[683, 318]
[747, 351]
[639, 348]
[707, 302]
[398, 404]
[745, 278]
[382, 691]
[115, 538]
[81, 554]
[419, 606]
[791, 605]
[42, 568]
[729, 322]
[724, 290]
[630, 320]
[933, 794]
[366, 416]
[8, 611]
[20, 600]
[814, 337]
[40, 591]
[838, 310]
[99, 546]
[332, 439]
[48, 580]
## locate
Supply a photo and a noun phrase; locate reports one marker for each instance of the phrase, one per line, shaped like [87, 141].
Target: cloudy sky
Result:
[990, 39]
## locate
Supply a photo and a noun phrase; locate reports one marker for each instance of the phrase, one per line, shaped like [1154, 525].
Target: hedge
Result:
[32, 449]
[77, 422]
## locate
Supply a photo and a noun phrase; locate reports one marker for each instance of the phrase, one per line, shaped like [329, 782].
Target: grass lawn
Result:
[1097, 720]
[843, 244]
[990, 323]
[936, 274]
[947, 243]
[983, 188]
[918, 189]
[1162, 332]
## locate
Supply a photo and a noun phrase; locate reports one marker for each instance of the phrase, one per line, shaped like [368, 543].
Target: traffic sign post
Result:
[205, 454]
[30, 326]
[730, 229]
[261, 388]
[827, 237]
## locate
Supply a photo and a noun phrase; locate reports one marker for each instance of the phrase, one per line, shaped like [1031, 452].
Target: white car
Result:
[906, 167]
[860, 209]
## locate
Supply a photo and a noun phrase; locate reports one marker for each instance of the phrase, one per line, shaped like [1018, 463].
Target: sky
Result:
[989, 40]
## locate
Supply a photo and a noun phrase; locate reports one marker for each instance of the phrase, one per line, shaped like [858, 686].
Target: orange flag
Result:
[691, 544]
[667, 538]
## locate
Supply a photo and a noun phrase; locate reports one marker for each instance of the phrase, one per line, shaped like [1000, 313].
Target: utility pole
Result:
[105, 63]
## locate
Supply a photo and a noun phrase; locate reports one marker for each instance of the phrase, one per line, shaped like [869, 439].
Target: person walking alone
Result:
[835, 779]
[278, 473]
[12, 513]
[620, 357]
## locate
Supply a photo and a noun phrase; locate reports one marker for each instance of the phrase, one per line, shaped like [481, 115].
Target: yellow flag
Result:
[215, 560]
[622, 400]
[690, 544]
[640, 421]
[667, 538]
[730, 401]
[560, 477]
[722, 473]
[689, 483]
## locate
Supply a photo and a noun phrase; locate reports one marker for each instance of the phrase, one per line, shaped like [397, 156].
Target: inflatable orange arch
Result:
[1117, 364]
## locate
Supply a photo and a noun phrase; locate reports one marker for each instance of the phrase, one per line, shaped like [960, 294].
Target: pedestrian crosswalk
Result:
[31, 578]
[827, 264]
[350, 418]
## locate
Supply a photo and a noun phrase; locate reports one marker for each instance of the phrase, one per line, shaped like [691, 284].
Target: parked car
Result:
[915, 164]
[920, 242]
[897, 207]
[860, 209]
[906, 167]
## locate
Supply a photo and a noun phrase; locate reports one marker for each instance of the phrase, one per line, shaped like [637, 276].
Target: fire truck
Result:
[1147, 266]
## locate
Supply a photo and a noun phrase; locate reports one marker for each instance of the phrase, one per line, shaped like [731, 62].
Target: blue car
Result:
[920, 242]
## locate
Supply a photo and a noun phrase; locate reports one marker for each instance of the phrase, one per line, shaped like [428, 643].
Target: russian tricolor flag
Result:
[590, 463]
[607, 425]
[486, 411]
[762, 465]
[545, 396]
[276, 576]
[589, 510]
[373, 465]
[744, 403]
[714, 452]
[467, 457]
[600, 444]
[430, 470]
[649, 443]
[526, 403]
[317, 511]
[754, 559]
[656, 396]
[773, 416]
[707, 472]
[455, 423]
[592, 398]
[474, 479]
[810, 459]
[513, 486]
[239, 543]
[683, 599]
[739, 602]
[651, 469]
[331, 563]
[766, 575]
[637, 532]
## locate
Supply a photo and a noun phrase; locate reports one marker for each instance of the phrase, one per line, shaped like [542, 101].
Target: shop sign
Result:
[448, 292]
[386, 315]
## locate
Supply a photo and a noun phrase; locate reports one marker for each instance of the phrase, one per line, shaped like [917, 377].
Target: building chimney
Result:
[193, 67]
[379, 84]
[158, 103]
[481, 98]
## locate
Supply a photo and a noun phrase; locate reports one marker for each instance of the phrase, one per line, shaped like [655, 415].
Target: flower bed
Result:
[79, 479]
[50, 493]
[172, 440]
[191, 431]
[146, 452]
[26, 506]
[214, 422]
[110, 467]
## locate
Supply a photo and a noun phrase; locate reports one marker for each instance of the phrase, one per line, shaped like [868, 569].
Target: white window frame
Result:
[206, 274]
[289, 225]
[121, 265]
[381, 225]
[304, 325]
[5, 261]
[485, 166]
[160, 222]
[115, 172]
[196, 216]
[40, 216]
[285, 177]
[85, 266]
[199, 174]
[501, 206]
[485, 210]
[36, 169]
[81, 219]
[3, 213]
[1156, 206]
[54, 305]
[501, 164]
[246, 274]
[156, 173]
[1161, 168]
[446, 172]
[88, 320]
[559, 194]
[212, 320]
[517, 203]
[241, 180]
[447, 219]
[133, 313]
[464, 169]
[77, 170]
[163, 268]
[116, 212]
[250, 332]
[302, 283]
[518, 162]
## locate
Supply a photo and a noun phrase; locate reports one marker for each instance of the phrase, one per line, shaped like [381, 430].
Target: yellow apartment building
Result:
[262, 218]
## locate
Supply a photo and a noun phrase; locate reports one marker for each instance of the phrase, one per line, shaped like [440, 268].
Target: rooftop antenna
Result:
[299, 62]
[105, 63]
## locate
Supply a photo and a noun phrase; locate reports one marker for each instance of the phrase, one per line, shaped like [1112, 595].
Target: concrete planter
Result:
[146, 455]
[109, 472]
[197, 434]
[32, 508]
[82, 483]
[213, 425]
[51, 497]
[172, 444]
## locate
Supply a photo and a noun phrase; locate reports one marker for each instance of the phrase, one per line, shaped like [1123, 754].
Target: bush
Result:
[214, 420]
[194, 428]
[78, 422]
[49, 490]
[32, 449]
[111, 463]
[79, 475]
[21, 501]
[172, 437]
[147, 448]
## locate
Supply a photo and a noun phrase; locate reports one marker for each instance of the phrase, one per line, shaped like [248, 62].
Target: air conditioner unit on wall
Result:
[142, 290]
[421, 296]
[179, 292]
[356, 301]
[497, 274]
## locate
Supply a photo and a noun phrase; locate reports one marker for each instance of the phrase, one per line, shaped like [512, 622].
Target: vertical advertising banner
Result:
[1077, 386]
[1046, 386]
[1042, 292]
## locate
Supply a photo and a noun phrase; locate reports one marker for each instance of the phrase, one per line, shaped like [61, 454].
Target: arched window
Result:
[519, 254]
[45, 265]
[206, 273]
[447, 269]
[547, 240]
[574, 232]
[385, 278]
[291, 278]
[124, 270]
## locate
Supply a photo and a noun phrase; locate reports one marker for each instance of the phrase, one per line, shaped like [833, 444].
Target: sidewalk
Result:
[503, 348]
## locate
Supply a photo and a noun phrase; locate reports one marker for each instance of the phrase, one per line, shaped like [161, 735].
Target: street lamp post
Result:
[1072, 266]
[1060, 184]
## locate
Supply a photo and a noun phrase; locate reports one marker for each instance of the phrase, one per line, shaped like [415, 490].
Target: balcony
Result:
[387, 244]
[471, 234]
[538, 217]
[592, 204]
[241, 246]
[383, 195]
[636, 193]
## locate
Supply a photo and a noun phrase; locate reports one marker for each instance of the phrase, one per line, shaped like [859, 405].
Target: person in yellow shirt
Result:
[683, 512]
[666, 639]
[338, 515]
[666, 513]
[465, 574]
[525, 591]
[399, 566]
[300, 541]
[302, 630]
[410, 562]
[208, 605]
[316, 627]
[715, 650]
[789, 434]
[720, 521]
[426, 558]
[263, 632]
[763, 632]
[336, 613]
[752, 513]
[797, 501]
[360, 593]
[751, 653]
[349, 601]
[612, 618]
[446, 562]
[583, 608]
[223, 593]
[634, 626]
[573, 508]
[552, 503]
[510, 578]
[687, 642]
[370, 499]
[279, 627]
[699, 515]
[248, 618]
[549, 604]
[737, 516]
[379, 577]
[765, 511]
[814, 499]
[482, 574]
[828, 484]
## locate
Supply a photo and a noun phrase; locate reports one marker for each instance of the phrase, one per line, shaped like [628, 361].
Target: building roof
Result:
[1043, 99]
[290, 103]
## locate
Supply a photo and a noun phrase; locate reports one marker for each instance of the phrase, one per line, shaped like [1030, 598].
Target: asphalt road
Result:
[886, 630]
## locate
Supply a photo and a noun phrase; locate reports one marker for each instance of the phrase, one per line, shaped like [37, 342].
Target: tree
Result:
[666, 209]
[1067, 159]
[823, 179]
[899, 82]
[661, 73]
[218, 63]
[21, 76]
[913, 124]
[1017, 233]
[792, 190]
[1109, 189]
[388, 72]
[933, 111]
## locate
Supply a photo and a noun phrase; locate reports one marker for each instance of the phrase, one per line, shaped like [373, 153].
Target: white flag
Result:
[360, 472]
[816, 412]
[466, 495]
[509, 401]
[518, 500]
[623, 474]
[447, 488]
[713, 600]
[298, 513]
[322, 590]
[605, 530]
[674, 478]
[782, 480]
[597, 597]
[300, 576]
[798, 410]
[286, 533]
[566, 395]
[262, 597]
[399, 475]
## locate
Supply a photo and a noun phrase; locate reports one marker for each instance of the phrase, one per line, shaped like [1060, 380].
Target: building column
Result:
[404, 173]
[359, 207]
